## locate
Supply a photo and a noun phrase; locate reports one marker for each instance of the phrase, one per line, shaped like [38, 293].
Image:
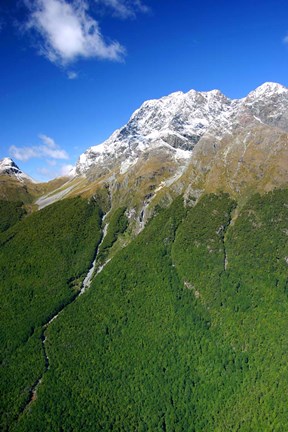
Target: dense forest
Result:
[43, 259]
[10, 213]
[184, 330]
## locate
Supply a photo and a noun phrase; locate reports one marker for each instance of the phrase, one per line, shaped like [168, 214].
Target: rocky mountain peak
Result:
[9, 167]
[177, 122]
[269, 104]
[268, 89]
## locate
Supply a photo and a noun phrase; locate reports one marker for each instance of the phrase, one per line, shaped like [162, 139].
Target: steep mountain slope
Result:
[8, 166]
[14, 184]
[182, 143]
[43, 260]
[169, 337]
[11, 212]
[177, 122]
[191, 143]
[184, 325]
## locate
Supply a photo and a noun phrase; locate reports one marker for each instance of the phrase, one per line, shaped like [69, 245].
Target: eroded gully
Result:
[85, 285]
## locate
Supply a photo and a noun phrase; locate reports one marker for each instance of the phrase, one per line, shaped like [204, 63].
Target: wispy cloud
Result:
[23, 153]
[49, 142]
[124, 8]
[48, 148]
[57, 171]
[285, 40]
[67, 32]
[65, 170]
[45, 172]
[71, 75]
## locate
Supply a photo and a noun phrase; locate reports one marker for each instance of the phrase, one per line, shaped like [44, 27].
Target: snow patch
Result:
[128, 163]
[180, 119]
[9, 167]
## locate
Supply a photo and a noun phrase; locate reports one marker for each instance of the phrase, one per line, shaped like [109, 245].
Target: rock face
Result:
[269, 104]
[188, 143]
[8, 167]
[253, 152]
[174, 123]
[199, 129]
[184, 143]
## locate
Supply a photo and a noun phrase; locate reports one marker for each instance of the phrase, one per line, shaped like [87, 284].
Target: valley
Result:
[189, 356]
[148, 290]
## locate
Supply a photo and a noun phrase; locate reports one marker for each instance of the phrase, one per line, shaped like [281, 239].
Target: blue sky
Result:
[72, 71]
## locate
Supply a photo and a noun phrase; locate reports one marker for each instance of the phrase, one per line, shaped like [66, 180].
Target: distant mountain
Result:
[9, 167]
[15, 185]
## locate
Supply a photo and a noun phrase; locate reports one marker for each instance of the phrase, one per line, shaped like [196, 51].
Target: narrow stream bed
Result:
[85, 285]
[88, 279]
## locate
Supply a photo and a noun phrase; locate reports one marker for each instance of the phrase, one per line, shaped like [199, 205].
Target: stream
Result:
[85, 285]
[88, 279]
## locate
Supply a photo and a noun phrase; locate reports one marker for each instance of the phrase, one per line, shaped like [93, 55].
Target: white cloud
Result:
[58, 171]
[47, 141]
[285, 40]
[72, 75]
[48, 148]
[68, 32]
[124, 8]
[66, 170]
[51, 162]
[52, 153]
[45, 172]
[23, 153]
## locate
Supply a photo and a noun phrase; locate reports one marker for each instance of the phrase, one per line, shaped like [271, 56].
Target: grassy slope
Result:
[168, 340]
[12, 189]
[41, 259]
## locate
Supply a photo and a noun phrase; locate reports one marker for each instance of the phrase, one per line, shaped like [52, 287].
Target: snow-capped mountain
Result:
[177, 123]
[269, 103]
[9, 167]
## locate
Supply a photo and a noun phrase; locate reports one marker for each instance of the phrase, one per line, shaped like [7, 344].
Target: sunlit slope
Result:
[11, 189]
[185, 330]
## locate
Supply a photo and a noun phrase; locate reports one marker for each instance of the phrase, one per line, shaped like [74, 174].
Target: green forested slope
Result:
[42, 259]
[10, 213]
[184, 330]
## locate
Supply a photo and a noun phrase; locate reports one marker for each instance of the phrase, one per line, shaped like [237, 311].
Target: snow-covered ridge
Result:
[8, 167]
[179, 120]
[267, 89]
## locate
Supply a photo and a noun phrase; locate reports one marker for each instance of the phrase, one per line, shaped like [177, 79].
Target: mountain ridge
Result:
[187, 143]
[179, 120]
[9, 167]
